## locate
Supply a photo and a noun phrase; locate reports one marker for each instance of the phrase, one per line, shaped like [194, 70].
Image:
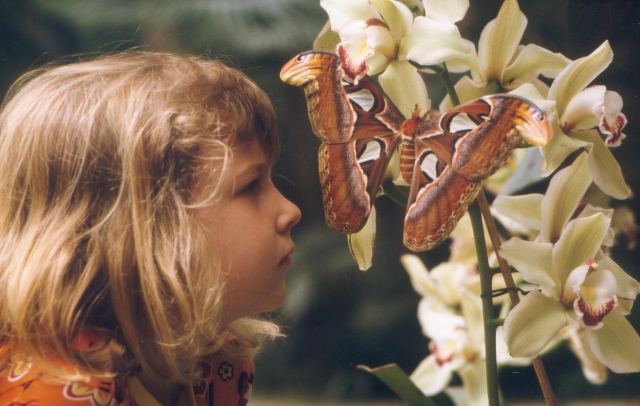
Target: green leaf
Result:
[399, 382]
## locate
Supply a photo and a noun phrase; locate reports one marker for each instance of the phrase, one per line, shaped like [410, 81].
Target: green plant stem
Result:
[481, 208]
[485, 274]
[487, 304]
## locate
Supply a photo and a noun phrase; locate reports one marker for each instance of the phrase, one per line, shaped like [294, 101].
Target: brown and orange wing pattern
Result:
[358, 126]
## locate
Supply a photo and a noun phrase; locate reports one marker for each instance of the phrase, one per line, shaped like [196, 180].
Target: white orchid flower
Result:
[573, 289]
[501, 63]
[383, 35]
[451, 316]
[579, 109]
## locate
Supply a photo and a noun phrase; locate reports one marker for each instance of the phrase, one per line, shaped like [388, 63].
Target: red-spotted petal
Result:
[596, 298]
[612, 121]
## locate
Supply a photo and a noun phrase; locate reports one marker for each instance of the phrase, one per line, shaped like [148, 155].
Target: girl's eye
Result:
[252, 188]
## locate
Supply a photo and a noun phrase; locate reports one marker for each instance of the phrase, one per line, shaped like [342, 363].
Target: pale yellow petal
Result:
[604, 167]
[526, 209]
[531, 62]
[532, 324]
[499, 40]
[474, 380]
[430, 42]
[565, 191]
[558, 148]
[616, 344]
[534, 261]
[579, 241]
[342, 12]
[430, 377]
[449, 11]
[577, 75]
[404, 85]
[397, 16]
[422, 283]
[361, 243]
[581, 111]
[327, 39]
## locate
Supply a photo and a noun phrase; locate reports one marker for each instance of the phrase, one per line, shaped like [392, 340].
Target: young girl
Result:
[139, 232]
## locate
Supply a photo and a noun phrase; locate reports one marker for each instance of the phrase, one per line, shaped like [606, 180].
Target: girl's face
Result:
[250, 225]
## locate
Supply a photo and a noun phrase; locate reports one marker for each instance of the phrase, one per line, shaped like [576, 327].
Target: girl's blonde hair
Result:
[98, 160]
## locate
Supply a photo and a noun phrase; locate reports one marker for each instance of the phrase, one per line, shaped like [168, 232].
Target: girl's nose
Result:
[289, 216]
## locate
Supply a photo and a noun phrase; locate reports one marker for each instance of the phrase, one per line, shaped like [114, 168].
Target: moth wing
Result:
[350, 175]
[438, 198]
[485, 131]
[359, 127]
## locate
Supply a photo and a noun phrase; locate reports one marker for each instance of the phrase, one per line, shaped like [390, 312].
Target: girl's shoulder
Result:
[23, 383]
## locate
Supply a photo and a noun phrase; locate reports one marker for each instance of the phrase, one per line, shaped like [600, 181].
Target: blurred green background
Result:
[336, 316]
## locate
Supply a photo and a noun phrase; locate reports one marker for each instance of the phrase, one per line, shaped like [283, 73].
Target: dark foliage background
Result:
[336, 316]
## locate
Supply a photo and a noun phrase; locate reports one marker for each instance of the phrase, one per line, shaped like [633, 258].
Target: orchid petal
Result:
[397, 16]
[466, 89]
[616, 344]
[604, 168]
[451, 278]
[578, 74]
[531, 325]
[628, 287]
[342, 12]
[575, 279]
[468, 63]
[405, 87]
[449, 11]
[431, 377]
[502, 352]
[533, 261]
[597, 298]
[526, 210]
[531, 62]
[472, 311]
[558, 148]
[581, 111]
[579, 241]
[436, 317]
[361, 243]
[355, 41]
[381, 40]
[376, 63]
[531, 93]
[499, 40]
[566, 189]
[327, 39]
[419, 276]
[474, 380]
[594, 370]
[612, 121]
[430, 42]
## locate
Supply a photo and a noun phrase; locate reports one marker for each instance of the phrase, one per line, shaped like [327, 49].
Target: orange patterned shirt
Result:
[23, 383]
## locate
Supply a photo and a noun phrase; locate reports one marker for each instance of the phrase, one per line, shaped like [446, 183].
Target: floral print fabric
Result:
[23, 383]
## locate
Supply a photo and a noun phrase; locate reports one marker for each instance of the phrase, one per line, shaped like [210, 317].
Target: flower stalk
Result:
[477, 211]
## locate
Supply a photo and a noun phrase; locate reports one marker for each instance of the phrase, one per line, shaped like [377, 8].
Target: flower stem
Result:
[485, 273]
[478, 210]
[487, 304]
[448, 84]
[538, 366]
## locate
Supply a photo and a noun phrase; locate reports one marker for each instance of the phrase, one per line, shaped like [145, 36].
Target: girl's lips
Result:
[286, 261]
